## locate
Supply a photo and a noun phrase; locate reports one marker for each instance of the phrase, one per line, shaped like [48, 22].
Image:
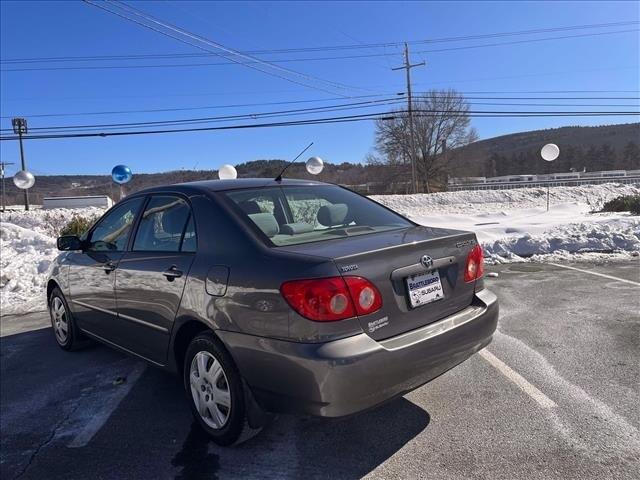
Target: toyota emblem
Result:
[426, 261]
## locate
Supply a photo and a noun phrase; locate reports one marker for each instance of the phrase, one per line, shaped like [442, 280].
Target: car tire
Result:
[65, 331]
[216, 391]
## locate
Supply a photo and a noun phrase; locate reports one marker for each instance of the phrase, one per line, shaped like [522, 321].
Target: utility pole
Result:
[408, 66]
[2, 165]
[20, 128]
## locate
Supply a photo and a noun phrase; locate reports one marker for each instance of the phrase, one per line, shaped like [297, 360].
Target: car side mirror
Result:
[69, 242]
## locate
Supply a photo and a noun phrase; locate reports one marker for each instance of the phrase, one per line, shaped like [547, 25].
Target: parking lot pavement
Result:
[555, 395]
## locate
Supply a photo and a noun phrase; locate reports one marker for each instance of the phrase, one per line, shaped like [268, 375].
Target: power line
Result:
[293, 112]
[209, 42]
[229, 51]
[209, 107]
[398, 44]
[306, 59]
[327, 108]
[419, 95]
[329, 120]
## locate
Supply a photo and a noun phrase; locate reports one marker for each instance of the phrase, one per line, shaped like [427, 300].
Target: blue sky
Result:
[53, 29]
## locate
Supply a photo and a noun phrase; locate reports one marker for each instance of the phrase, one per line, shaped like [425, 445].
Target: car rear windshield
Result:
[291, 215]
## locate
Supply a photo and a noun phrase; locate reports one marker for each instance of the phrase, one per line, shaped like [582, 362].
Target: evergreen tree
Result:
[630, 156]
[590, 159]
[607, 158]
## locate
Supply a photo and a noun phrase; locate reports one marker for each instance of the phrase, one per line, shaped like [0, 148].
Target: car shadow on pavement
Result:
[151, 434]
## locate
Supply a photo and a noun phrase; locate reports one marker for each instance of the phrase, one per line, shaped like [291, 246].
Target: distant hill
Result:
[607, 147]
[594, 148]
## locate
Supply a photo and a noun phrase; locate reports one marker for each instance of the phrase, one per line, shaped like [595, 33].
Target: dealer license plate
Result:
[424, 288]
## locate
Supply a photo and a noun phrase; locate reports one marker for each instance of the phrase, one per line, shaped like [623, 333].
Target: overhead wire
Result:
[306, 59]
[418, 95]
[327, 108]
[200, 47]
[321, 48]
[326, 120]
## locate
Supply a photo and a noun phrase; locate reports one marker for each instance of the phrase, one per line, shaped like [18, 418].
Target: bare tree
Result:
[441, 125]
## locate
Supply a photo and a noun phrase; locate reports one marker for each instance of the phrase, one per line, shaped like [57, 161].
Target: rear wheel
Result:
[216, 392]
[64, 327]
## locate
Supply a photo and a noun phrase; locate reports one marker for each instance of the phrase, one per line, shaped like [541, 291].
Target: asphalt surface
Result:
[556, 397]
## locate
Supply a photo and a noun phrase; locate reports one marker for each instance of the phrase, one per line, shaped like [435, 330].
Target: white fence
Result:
[553, 180]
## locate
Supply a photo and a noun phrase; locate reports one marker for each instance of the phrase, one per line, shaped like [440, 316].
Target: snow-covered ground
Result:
[510, 224]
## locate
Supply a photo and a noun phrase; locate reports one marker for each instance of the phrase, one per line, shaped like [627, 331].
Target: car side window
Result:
[162, 224]
[189, 242]
[111, 233]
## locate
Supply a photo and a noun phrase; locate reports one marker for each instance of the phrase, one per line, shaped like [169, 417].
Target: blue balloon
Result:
[121, 174]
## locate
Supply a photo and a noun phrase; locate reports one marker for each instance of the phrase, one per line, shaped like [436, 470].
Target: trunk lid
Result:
[388, 258]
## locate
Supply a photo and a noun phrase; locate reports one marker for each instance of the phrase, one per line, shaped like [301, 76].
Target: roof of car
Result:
[222, 185]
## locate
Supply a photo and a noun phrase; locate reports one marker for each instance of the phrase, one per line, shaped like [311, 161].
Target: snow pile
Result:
[27, 250]
[512, 224]
[466, 202]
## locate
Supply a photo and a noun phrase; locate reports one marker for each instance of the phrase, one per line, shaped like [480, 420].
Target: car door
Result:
[91, 272]
[151, 276]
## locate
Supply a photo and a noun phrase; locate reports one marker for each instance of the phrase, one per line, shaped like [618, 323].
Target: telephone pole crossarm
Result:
[408, 66]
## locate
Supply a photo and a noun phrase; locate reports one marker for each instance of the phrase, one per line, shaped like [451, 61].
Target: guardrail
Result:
[543, 183]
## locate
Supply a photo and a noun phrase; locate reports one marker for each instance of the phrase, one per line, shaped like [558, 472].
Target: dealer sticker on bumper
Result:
[424, 288]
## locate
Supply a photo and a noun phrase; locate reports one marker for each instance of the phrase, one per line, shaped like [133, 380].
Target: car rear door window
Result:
[111, 233]
[162, 225]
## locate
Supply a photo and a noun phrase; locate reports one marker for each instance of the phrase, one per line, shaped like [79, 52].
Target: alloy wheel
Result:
[60, 320]
[210, 390]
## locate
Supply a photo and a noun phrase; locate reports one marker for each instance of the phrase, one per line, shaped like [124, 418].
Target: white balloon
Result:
[24, 179]
[550, 152]
[227, 172]
[315, 165]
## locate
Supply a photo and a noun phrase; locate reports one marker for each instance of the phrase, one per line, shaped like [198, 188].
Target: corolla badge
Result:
[426, 261]
[348, 268]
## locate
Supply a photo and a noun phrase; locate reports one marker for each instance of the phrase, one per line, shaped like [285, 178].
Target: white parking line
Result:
[100, 417]
[519, 380]
[597, 274]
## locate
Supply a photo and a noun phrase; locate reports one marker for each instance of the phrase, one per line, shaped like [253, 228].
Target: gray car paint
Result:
[231, 286]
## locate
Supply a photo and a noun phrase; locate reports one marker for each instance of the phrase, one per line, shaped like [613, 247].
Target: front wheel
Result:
[64, 327]
[216, 392]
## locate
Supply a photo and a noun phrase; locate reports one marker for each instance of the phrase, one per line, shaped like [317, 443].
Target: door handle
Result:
[172, 273]
[109, 267]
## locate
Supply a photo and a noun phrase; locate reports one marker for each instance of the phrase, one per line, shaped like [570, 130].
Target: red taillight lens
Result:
[364, 294]
[331, 299]
[475, 264]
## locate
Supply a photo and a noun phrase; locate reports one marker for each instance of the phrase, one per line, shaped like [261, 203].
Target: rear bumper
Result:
[345, 376]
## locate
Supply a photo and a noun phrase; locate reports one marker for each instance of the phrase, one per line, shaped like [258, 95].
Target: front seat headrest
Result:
[266, 222]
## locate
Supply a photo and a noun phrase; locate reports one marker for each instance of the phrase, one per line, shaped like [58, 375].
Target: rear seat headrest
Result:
[249, 207]
[296, 228]
[332, 215]
[266, 222]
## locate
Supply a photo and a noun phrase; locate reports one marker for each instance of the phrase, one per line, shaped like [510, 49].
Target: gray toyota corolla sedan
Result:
[291, 296]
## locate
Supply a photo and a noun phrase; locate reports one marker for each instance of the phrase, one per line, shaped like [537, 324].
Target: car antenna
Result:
[279, 177]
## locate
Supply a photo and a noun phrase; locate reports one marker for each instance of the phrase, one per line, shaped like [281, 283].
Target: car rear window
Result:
[291, 215]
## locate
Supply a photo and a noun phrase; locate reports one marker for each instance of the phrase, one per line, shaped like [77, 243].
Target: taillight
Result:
[364, 294]
[474, 268]
[333, 298]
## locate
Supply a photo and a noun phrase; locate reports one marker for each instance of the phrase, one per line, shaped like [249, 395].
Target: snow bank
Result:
[512, 224]
[27, 250]
[591, 197]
